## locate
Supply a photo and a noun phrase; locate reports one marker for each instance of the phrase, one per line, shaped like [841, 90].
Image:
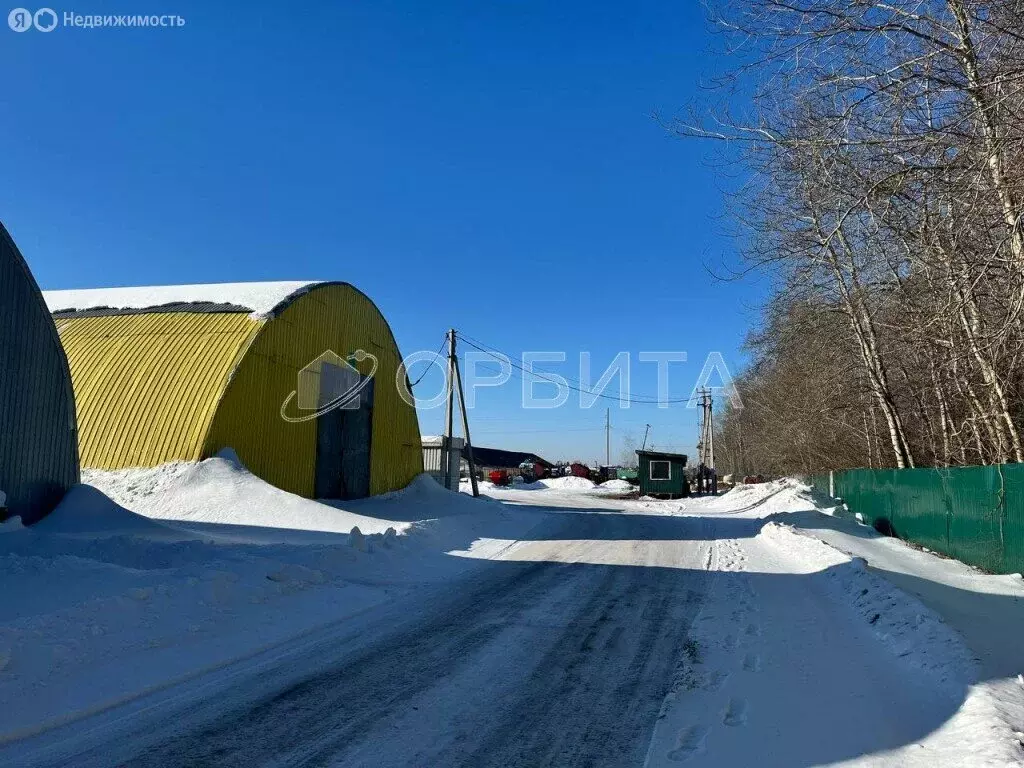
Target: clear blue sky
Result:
[489, 166]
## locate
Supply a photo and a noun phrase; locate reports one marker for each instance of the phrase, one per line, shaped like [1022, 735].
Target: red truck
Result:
[499, 477]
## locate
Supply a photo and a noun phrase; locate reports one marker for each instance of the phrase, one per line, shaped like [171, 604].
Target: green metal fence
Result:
[975, 514]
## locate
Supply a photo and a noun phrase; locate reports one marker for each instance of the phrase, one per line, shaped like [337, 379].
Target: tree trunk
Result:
[985, 107]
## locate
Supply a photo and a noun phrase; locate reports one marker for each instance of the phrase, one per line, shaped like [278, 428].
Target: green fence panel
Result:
[975, 514]
[975, 517]
[919, 507]
[1013, 519]
[866, 492]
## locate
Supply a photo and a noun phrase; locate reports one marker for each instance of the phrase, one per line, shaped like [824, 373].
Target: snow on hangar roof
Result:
[260, 299]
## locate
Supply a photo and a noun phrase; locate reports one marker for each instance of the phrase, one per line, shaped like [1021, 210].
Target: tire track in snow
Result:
[293, 725]
[582, 708]
[532, 663]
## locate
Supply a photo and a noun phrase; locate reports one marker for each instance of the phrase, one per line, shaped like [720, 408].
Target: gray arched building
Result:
[38, 440]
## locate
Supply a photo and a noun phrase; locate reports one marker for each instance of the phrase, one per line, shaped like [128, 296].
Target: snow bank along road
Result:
[589, 631]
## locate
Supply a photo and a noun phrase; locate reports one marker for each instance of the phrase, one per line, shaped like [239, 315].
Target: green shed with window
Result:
[662, 474]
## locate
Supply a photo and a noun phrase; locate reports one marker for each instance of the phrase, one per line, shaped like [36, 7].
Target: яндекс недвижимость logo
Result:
[47, 20]
[22, 19]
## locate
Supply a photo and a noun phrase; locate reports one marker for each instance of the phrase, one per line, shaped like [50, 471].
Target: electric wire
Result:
[505, 358]
[425, 372]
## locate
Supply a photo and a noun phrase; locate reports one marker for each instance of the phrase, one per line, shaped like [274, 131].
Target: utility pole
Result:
[448, 431]
[711, 442]
[465, 427]
[706, 476]
[455, 381]
[449, 427]
[648, 429]
[700, 445]
[608, 437]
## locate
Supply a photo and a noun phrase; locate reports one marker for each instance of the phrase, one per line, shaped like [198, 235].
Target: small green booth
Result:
[662, 474]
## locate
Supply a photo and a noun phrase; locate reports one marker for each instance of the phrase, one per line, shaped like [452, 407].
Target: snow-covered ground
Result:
[191, 614]
[801, 635]
[568, 488]
[956, 696]
[145, 577]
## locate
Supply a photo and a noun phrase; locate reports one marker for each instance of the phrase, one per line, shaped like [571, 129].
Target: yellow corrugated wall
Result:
[147, 385]
[336, 317]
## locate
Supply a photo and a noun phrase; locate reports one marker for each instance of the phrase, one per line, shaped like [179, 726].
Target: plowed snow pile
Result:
[559, 486]
[223, 493]
[571, 483]
[167, 572]
[220, 496]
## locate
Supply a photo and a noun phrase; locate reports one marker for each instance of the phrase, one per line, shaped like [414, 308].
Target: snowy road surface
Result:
[601, 633]
[553, 661]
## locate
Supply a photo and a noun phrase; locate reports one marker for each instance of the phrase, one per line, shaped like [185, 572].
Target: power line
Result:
[636, 400]
[633, 401]
[515, 375]
[505, 357]
[535, 431]
[425, 372]
[494, 351]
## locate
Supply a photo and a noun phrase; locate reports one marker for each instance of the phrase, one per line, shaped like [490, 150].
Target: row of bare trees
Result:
[885, 144]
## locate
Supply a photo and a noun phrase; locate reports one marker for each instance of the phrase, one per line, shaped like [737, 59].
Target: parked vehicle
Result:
[532, 471]
[499, 477]
[579, 470]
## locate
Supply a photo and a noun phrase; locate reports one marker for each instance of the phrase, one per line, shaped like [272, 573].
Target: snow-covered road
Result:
[585, 630]
[552, 653]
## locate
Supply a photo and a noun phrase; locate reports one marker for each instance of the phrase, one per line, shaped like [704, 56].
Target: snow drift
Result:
[152, 576]
[221, 497]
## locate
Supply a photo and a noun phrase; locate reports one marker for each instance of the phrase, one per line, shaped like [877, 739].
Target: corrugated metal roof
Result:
[147, 385]
[335, 317]
[496, 457]
[179, 386]
[38, 446]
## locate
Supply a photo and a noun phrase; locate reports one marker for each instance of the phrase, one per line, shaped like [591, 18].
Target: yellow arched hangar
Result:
[179, 373]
